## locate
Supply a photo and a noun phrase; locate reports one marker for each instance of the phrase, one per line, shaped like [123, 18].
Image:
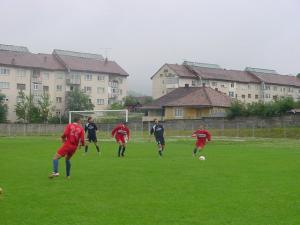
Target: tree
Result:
[22, 107]
[116, 106]
[78, 101]
[44, 105]
[298, 75]
[3, 109]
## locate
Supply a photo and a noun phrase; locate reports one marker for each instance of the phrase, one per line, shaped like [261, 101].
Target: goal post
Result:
[101, 115]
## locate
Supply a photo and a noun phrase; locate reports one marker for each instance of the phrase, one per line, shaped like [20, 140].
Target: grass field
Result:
[242, 182]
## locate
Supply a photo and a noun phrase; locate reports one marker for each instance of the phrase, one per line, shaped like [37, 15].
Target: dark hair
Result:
[89, 118]
[76, 119]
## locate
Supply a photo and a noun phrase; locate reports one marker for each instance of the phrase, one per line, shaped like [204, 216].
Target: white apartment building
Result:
[57, 74]
[249, 85]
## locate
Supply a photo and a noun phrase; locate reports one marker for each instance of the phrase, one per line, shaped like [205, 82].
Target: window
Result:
[100, 90]
[243, 96]
[275, 97]
[21, 73]
[57, 113]
[216, 89]
[275, 88]
[172, 80]
[58, 99]
[46, 75]
[100, 101]
[59, 76]
[113, 83]
[46, 89]
[249, 95]
[193, 83]
[88, 77]
[231, 94]
[178, 112]
[101, 77]
[58, 87]
[290, 89]
[232, 84]
[249, 86]
[267, 87]
[222, 86]
[90, 100]
[87, 89]
[35, 86]
[213, 83]
[256, 96]
[267, 96]
[4, 71]
[21, 87]
[165, 70]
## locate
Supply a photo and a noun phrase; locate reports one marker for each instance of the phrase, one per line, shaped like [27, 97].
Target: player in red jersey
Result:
[202, 136]
[71, 137]
[121, 133]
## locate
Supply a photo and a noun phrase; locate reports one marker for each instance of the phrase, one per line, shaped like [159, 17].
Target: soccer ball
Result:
[201, 157]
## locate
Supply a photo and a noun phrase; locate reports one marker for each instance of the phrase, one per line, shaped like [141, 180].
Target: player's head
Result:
[76, 120]
[124, 123]
[202, 126]
[90, 119]
[156, 121]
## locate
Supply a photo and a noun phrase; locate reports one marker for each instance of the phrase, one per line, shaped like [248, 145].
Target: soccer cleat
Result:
[68, 177]
[53, 174]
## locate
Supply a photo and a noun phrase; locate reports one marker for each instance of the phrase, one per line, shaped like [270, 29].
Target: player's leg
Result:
[87, 145]
[96, 145]
[68, 165]
[120, 147]
[55, 159]
[123, 149]
[159, 146]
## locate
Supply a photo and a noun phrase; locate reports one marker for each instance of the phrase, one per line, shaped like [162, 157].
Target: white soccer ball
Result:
[201, 157]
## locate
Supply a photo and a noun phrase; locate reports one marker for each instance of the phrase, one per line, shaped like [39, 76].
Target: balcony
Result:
[73, 81]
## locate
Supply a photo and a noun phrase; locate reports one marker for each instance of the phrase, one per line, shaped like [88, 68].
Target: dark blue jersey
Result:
[91, 129]
[157, 130]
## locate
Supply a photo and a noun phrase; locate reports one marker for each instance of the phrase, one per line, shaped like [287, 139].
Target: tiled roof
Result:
[29, 60]
[182, 71]
[191, 96]
[61, 60]
[269, 78]
[91, 65]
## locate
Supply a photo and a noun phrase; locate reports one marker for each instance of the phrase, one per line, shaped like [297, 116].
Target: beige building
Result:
[250, 85]
[188, 103]
[57, 74]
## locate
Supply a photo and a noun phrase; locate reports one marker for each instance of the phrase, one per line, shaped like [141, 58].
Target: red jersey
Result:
[202, 136]
[120, 131]
[73, 134]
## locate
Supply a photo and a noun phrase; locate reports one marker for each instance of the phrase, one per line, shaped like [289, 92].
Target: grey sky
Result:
[144, 34]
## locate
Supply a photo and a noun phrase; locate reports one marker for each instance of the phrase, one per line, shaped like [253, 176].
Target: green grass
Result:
[241, 182]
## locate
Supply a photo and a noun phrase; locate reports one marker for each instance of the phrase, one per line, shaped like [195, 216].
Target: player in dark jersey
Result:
[158, 131]
[202, 136]
[72, 136]
[91, 129]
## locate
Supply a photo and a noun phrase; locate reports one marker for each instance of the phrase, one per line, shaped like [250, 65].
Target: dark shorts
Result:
[92, 138]
[160, 140]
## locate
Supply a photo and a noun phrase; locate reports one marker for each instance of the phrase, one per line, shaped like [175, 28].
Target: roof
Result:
[270, 78]
[193, 97]
[90, 64]
[30, 60]
[58, 60]
[226, 75]
[182, 71]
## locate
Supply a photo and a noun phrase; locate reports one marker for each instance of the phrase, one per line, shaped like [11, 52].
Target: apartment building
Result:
[249, 85]
[57, 74]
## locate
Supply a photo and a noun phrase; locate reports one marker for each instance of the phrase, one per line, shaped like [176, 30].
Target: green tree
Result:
[22, 107]
[44, 106]
[3, 109]
[77, 100]
[298, 75]
[117, 105]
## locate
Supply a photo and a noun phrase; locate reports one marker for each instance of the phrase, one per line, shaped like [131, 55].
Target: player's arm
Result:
[85, 127]
[66, 133]
[96, 128]
[208, 136]
[128, 133]
[152, 130]
[113, 132]
[82, 137]
[194, 134]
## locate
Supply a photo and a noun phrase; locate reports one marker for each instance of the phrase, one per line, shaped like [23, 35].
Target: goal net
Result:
[101, 116]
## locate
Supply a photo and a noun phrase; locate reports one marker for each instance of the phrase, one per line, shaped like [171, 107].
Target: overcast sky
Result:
[145, 34]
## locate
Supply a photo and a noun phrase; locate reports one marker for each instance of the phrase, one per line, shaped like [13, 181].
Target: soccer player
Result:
[121, 133]
[71, 137]
[158, 131]
[202, 136]
[91, 130]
